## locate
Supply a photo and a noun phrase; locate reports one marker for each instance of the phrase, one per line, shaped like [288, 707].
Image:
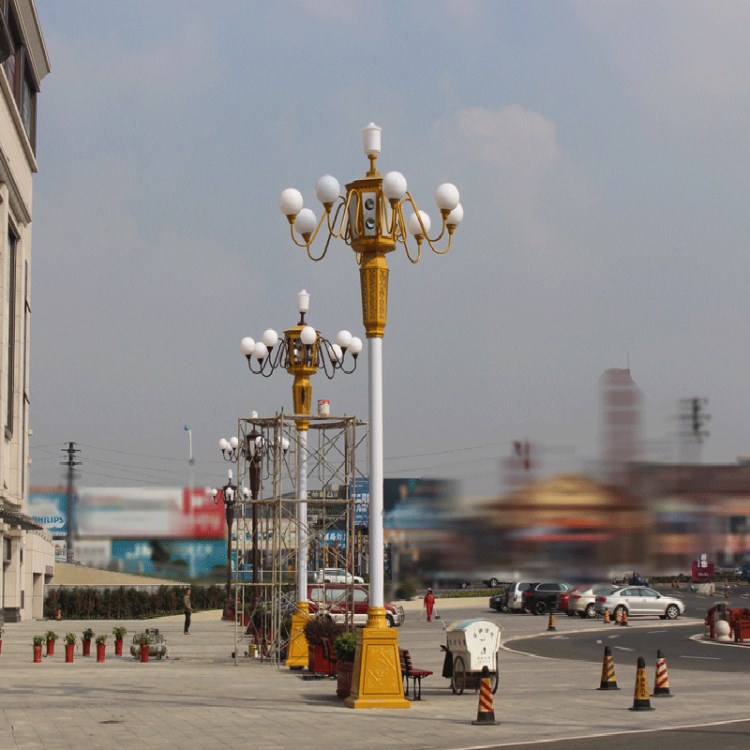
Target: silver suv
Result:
[511, 600]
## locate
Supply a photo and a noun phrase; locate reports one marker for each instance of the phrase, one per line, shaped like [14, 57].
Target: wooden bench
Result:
[408, 672]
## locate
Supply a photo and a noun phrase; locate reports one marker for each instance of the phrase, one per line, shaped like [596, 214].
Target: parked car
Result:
[334, 600]
[511, 598]
[581, 600]
[542, 598]
[639, 600]
[335, 575]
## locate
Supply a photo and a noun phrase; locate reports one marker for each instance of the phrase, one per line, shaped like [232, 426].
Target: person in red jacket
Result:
[429, 604]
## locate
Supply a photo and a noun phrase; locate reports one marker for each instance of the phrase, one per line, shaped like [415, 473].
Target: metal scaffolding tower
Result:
[266, 534]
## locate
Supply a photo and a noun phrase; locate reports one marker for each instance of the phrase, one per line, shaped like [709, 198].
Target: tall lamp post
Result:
[254, 450]
[302, 352]
[231, 494]
[369, 217]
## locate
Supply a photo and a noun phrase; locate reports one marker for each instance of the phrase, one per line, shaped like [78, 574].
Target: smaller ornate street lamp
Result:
[254, 449]
[302, 352]
[231, 494]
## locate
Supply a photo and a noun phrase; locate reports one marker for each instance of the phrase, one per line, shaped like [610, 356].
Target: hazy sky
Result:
[602, 153]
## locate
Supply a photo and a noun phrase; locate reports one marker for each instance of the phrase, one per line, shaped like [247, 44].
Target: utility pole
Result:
[694, 417]
[71, 463]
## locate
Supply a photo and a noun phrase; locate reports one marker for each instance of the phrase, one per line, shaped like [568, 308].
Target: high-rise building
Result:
[621, 420]
[27, 552]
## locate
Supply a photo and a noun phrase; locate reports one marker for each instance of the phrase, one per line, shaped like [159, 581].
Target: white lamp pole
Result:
[369, 218]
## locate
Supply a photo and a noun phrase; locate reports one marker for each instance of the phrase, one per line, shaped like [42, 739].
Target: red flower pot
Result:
[69, 647]
[144, 653]
[118, 647]
[50, 648]
[86, 648]
[317, 661]
[100, 648]
[38, 654]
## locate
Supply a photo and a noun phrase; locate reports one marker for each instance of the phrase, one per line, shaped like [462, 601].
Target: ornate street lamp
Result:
[231, 494]
[302, 352]
[369, 217]
[254, 449]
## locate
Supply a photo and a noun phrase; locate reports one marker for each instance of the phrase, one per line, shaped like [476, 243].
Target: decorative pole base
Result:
[377, 681]
[298, 654]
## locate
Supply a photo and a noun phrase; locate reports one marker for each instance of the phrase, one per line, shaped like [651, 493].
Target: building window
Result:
[10, 311]
[18, 73]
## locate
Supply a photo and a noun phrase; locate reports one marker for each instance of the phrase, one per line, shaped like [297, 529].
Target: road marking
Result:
[624, 648]
[706, 658]
[652, 632]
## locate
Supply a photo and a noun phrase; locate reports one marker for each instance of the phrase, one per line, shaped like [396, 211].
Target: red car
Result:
[334, 600]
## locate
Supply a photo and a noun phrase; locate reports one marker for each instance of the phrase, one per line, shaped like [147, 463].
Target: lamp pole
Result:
[231, 494]
[302, 352]
[369, 218]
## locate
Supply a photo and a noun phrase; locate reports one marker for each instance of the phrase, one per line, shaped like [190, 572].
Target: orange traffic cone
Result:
[641, 700]
[551, 622]
[661, 683]
[618, 616]
[486, 711]
[624, 618]
[609, 681]
[606, 615]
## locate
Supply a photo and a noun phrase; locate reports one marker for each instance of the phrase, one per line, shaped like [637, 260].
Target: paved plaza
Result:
[199, 698]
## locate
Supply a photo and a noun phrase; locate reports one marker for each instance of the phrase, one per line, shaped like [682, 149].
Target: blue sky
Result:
[602, 156]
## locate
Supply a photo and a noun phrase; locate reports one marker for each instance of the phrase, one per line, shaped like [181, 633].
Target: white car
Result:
[336, 575]
[639, 600]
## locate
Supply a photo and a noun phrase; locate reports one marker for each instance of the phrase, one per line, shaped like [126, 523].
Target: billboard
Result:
[132, 512]
[49, 508]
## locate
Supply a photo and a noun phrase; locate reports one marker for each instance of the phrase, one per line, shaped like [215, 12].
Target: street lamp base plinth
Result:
[377, 682]
[298, 655]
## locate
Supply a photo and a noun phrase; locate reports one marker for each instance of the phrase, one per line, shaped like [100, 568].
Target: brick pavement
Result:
[199, 697]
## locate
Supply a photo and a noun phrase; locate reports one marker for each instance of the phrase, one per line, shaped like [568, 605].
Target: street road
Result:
[727, 736]
[682, 645]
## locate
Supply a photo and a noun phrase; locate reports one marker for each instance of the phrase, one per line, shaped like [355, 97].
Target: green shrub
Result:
[345, 646]
[128, 603]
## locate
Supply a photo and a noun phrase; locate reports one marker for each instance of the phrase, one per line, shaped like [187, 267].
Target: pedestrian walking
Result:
[188, 606]
[429, 604]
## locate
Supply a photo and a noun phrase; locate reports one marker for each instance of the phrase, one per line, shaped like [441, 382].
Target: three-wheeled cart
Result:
[471, 645]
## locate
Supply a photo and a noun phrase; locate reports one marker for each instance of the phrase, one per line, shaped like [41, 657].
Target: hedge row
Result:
[122, 603]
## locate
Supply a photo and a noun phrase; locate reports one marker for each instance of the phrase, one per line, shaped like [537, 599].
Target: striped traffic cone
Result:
[641, 700]
[609, 681]
[618, 616]
[486, 712]
[551, 622]
[661, 684]
[624, 618]
[606, 616]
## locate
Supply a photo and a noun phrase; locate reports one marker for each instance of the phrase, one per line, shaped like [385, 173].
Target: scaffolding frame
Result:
[267, 595]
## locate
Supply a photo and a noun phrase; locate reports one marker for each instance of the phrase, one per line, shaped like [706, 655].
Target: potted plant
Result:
[50, 636]
[345, 647]
[70, 644]
[86, 638]
[145, 642]
[2, 630]
[119, 633]
[101, 645]
[38, 640]
[321, 632]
